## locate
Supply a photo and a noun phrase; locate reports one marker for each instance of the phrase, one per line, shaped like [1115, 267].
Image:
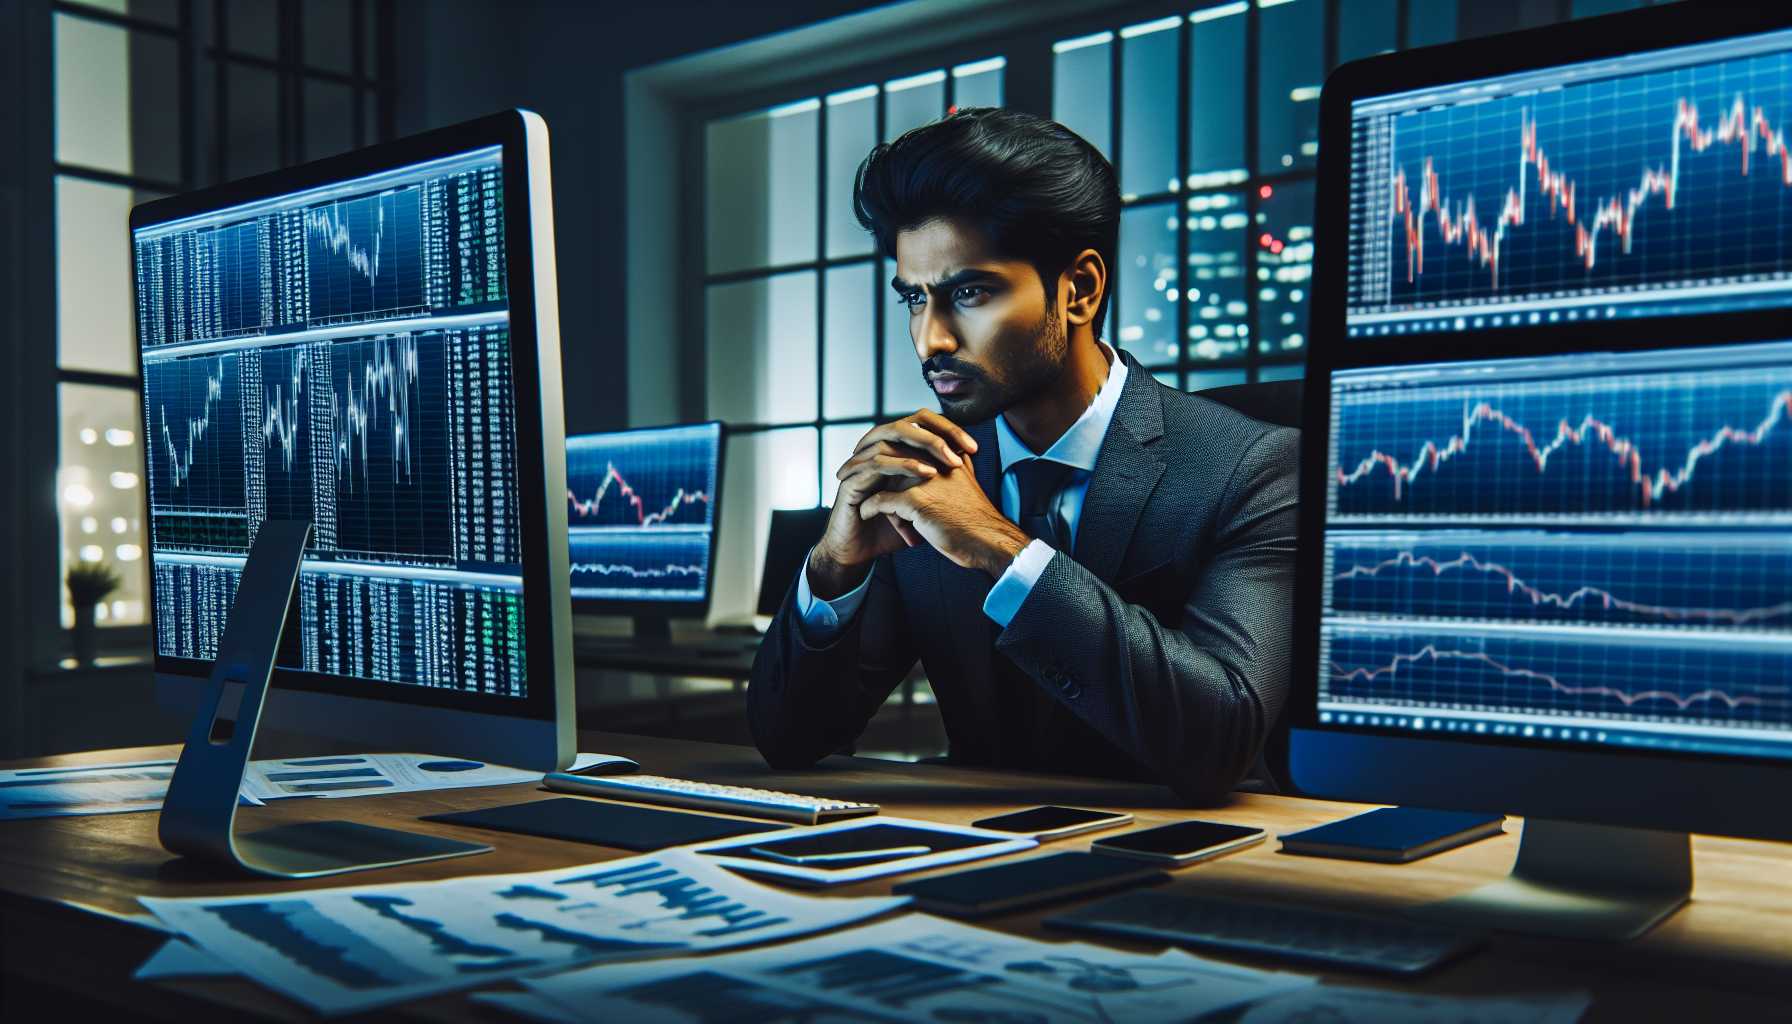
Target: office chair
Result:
[1276, 401]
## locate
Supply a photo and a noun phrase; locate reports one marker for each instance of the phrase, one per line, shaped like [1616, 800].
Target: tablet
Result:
[851, 851]
[1000, 888]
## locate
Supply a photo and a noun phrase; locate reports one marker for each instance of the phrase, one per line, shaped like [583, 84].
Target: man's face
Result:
[986, 329]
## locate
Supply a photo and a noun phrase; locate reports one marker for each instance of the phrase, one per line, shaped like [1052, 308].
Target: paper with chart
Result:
[179, 958]
[84, 789]
[352, 949]
[915, 968]
[369, 774]
[141, 785]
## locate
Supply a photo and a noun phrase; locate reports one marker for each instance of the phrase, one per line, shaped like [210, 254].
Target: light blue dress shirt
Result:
[1077, 448]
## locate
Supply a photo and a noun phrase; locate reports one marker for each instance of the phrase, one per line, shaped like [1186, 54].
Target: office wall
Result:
[565, 60]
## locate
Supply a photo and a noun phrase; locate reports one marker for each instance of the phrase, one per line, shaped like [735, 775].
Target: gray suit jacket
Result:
[1157, 650]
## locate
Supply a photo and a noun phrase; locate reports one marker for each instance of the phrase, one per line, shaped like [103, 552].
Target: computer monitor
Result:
[641, 508]
[794, 532]
[369, 343]
[1544, 559]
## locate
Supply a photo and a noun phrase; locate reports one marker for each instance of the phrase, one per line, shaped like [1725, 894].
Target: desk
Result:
[1727, 954]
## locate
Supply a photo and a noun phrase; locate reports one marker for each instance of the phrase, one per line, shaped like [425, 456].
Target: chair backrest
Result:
[793, 532]
[1276, 401]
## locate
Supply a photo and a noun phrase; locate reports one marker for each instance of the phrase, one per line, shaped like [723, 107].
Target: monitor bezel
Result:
[548, 654]
[679, 609]
[1504, 774]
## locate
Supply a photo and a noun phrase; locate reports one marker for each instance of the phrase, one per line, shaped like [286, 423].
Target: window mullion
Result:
[1253, 204]
[821, 286]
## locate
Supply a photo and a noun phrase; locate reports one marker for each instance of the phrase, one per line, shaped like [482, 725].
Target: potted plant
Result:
[88, 585]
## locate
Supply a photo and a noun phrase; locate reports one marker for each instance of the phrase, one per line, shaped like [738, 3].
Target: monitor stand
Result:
[653, 631]
[199, 812]
[1580, 881]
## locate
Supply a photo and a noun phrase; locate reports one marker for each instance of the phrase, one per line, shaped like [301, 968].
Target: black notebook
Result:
[1394, 835]
[601, 823]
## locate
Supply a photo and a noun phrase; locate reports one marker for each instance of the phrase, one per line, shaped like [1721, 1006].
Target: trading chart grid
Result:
[1653, 185]
[641, 513]
[1590, 548]
[341, 356]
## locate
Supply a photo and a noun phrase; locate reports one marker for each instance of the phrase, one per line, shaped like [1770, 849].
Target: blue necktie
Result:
[1040, 481]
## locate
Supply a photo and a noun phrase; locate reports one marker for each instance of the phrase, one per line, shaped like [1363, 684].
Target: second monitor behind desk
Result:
[723, 652]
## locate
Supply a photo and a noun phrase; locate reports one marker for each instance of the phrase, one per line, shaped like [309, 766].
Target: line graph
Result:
[196, 433]
[1675, 680]
[639, 565]
[392, 488]
[364, 257]
[592, 509]
[290, 377]
[1660, 443]
[1606, 191]
[670, 480]
[1457, 222]
[1740, 582]
[378, 402]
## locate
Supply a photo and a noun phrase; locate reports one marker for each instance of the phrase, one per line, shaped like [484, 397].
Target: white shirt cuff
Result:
[1013, 586]
[820, 620]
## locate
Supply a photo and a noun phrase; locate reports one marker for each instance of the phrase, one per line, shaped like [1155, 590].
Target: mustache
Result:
[952, 365]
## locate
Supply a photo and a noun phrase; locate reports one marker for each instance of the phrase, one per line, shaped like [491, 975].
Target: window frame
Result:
[694, 258]
[291, 73]
[1029, 56]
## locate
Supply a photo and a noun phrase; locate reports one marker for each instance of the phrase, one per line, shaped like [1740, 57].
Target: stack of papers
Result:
[141, 785]
[910, 969]
[353, 949]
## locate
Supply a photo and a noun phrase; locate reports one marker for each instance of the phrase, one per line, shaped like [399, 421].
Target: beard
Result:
[1032, 357]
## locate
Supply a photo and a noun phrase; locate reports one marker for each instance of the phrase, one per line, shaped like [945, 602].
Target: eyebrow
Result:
[965, 276]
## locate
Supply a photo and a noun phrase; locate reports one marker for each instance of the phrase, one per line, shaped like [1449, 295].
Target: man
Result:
[1094, 569]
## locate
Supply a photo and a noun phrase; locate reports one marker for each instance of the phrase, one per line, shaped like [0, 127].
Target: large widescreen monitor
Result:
[369, 343]
[1546, 501]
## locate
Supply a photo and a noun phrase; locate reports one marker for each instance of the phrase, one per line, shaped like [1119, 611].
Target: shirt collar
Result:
[1079, 445]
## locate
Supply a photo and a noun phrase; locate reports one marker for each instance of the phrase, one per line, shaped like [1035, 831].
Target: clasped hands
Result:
[911, 481]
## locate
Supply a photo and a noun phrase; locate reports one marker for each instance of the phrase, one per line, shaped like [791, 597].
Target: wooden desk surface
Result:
[1729, 952]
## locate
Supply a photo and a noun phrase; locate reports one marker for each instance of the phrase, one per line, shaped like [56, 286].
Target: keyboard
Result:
[707, 796]
[1328, 938]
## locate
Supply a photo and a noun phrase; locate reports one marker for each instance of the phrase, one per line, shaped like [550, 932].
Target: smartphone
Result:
[1182, 843]
[1053, 822]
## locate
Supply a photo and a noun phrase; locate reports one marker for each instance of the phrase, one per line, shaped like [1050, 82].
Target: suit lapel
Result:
[1126, 473]
[962, 592]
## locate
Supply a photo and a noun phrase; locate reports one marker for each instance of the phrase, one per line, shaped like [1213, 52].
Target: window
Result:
[1210, 115]
[151, 99]
[806, 347]
[1211, 118]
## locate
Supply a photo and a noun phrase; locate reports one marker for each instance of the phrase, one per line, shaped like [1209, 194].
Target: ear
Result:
[1085, 281]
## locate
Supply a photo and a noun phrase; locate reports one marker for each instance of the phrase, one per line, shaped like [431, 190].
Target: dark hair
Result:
[1037, 190]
